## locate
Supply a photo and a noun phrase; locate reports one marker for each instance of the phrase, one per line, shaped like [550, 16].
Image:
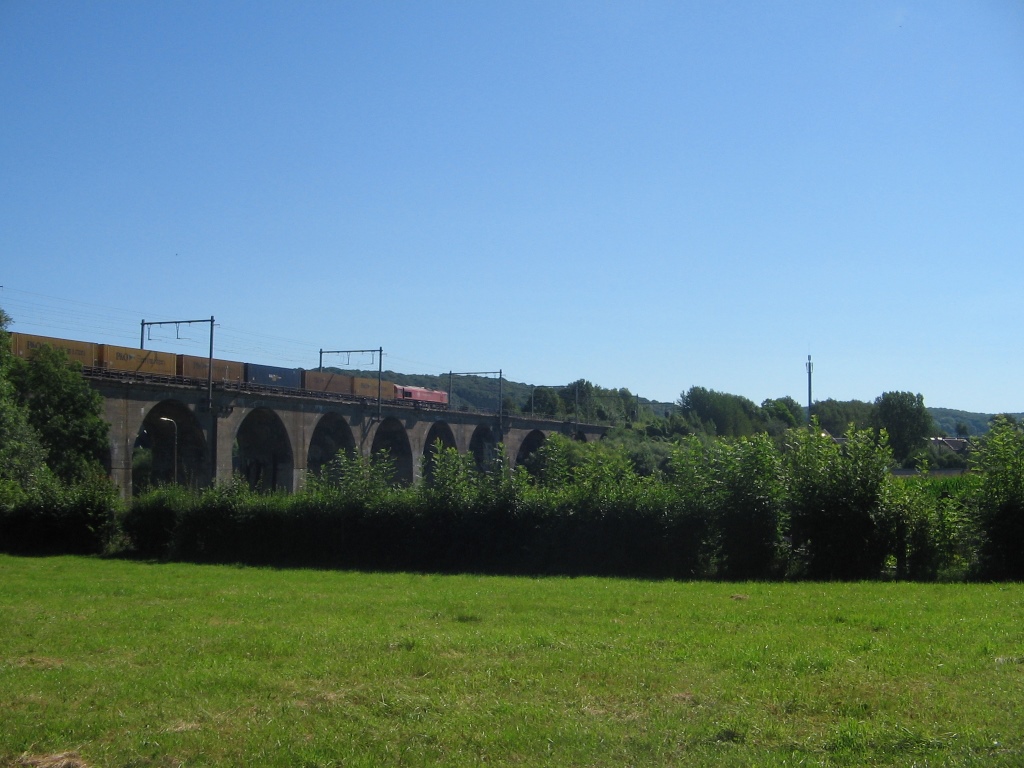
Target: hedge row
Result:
[749, 509]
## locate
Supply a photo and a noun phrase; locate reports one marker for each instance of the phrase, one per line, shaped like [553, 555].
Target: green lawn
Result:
[137, 664]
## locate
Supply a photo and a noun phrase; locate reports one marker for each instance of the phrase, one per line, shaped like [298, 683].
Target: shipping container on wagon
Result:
[224, 371]
[420, 395]
[134, 360]
[368, 388]
[327, 381]
[84, 352]
[273, 376]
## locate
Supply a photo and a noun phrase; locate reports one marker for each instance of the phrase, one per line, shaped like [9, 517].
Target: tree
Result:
[721, 413]
[841, 525]
[749, 507]
[904, 417]
[577, 400]
[544, 401]
[837, 416]
[998, 503]
[784, 410]
[64, 411]
[21, 453]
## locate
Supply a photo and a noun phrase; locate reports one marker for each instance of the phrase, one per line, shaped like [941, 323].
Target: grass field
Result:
[138, 664]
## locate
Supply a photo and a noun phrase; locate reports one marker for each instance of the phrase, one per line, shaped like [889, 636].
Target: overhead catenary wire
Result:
[45, 315]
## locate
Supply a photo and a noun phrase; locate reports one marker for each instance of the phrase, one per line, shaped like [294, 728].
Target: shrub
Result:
[840, 524]
[52, 517]
[997, 505]
[749, 509]
[150, 519]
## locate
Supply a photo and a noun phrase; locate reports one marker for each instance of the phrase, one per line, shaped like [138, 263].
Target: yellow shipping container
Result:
[84, 352]
[195, 367]
[368, 388]
[136, 360]
[326, 381]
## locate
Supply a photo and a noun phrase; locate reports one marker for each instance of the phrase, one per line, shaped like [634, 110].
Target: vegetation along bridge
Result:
[171, 430]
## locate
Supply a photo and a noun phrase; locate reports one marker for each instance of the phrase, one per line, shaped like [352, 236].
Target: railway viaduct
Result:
[273, 438]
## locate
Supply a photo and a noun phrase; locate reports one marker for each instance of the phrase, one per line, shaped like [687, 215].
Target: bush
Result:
[749, 512]
[997, 505]
[53, 517]
[840, 524]
[151, 518]
[718, 508]
[231, 523]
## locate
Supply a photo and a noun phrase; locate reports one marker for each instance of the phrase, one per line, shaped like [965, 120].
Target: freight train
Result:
[114, 360]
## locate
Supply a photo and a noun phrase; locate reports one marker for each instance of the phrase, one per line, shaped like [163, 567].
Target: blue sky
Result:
[646, 195]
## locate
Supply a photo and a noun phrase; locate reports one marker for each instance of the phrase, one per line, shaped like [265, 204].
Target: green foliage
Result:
[998, 501]
[355, 480]
[553, 464]
[919, 547]
[649, 455]
[451, 480]
[543, 401]
[54, 517]
[150, 520]
[949, 421]
[906, 421]
[53, 495]
[784, 411]
[231, 523]
[21, 454]
[841, 525]
[742, 509]
[737, 489]
[837, 416]
[64, 411]
[607, 519]
[750, 516]
[722, 414]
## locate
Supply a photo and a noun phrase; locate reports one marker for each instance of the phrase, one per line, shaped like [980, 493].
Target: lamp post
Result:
[175, 425]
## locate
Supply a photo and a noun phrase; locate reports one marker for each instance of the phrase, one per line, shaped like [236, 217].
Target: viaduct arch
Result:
[273, 439]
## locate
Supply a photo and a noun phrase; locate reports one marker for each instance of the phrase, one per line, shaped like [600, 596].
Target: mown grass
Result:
[139, 664]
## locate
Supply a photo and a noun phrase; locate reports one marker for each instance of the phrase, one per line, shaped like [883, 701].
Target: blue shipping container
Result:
[272, 376]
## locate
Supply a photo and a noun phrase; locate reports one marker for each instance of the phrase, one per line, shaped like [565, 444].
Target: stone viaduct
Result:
[272, 438]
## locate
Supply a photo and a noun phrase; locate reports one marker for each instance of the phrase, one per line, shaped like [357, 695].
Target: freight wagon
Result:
[273, 376]
[109, 357]
[224, 371]
[84, 352]
[327, 381]
[129, 359]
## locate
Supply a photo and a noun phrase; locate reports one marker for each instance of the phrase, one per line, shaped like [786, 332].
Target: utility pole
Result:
[810, 370]
[379, 352]
[498, 373]
[176, 324]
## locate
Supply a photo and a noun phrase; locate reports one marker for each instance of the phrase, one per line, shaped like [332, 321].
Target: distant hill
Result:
[473, 392]
[481, 393]
[478, 392]
[947, 419]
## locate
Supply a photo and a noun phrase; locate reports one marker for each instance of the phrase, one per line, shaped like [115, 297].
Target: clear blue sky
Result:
[643, 194]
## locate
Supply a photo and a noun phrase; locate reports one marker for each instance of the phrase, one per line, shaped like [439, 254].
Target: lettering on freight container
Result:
[32, 346]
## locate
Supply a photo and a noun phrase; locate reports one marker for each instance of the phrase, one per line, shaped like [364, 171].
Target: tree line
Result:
[810, 507]
[719, 488]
